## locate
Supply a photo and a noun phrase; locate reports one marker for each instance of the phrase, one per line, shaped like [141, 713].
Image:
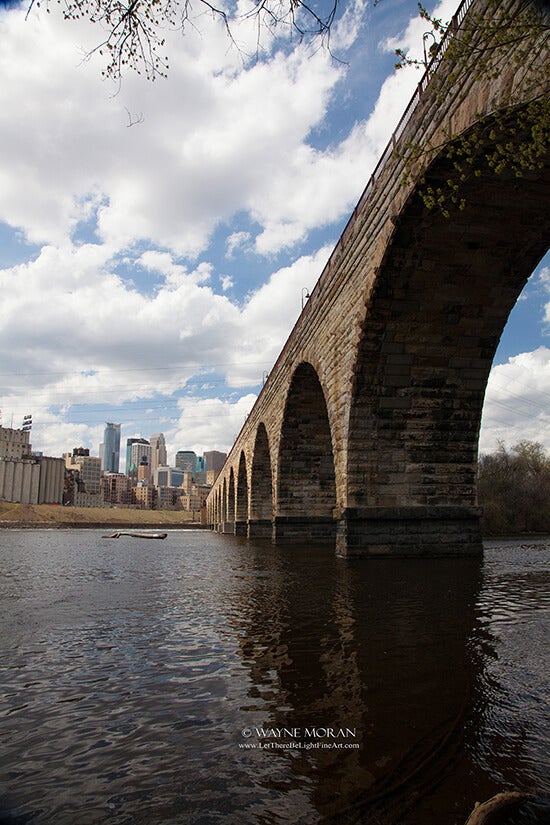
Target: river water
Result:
[205, 679]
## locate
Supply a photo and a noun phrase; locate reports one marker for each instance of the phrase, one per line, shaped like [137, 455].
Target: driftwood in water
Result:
[512, 808]
[120, 533]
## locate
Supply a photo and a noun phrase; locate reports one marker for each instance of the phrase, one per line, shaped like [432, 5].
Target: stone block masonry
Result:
[366, 431]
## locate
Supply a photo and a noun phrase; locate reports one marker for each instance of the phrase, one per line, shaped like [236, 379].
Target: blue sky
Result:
[155, 238]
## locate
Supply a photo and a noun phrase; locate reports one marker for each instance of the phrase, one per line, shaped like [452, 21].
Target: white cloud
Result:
[235, 241]
[209, 423]
[216, 138]
[268, 317]
[411, 39]
[544, 280]
[517, 401]
[203, 151]
[94, 334]
[98, 341]
[316, 188]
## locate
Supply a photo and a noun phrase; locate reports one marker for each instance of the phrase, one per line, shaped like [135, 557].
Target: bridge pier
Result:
[409, 531]
[241, 528]
[227, 527]
[260, 528]
[296, 529]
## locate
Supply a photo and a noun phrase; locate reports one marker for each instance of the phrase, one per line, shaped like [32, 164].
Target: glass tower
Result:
[111, 448]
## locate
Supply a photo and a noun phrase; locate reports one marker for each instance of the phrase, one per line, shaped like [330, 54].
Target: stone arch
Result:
[218, 513]
[224, 511]
[241, 497]
[306, 489]
[231, 501]
[432, 323]
[261, 486]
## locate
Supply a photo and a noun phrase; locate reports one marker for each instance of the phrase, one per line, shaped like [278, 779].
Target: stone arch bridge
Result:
[365, 433]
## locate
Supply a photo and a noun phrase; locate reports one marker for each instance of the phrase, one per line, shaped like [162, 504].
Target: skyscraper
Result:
[141, 449]
[215, 460]
[110, 449]
[186, 460]
[158, 451]
[129, 444]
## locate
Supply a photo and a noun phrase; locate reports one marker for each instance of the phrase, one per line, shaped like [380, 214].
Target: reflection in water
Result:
[165, 686]
[381, 648]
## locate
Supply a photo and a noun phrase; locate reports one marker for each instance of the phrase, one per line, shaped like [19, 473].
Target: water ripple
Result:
[128, 676]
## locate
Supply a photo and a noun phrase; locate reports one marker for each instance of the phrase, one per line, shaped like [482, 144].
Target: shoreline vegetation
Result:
[40, 516]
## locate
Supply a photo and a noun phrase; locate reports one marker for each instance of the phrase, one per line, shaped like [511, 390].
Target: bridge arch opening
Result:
[229, 526]
[306, 489]
[261, 486]
[432, 324]
[241, 500]
[223, 505]
[216, 517]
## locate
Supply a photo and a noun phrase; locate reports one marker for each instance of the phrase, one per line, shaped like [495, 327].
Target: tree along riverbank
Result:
[46, 515]
[514, 490]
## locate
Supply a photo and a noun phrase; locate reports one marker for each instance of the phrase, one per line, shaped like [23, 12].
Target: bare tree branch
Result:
[135, 29]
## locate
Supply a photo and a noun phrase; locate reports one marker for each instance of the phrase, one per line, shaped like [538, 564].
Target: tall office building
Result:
[214, 460]
[109, 451]
[158, 451]
[129, 444]
[186, 460]
[140, 450]
[89, 468]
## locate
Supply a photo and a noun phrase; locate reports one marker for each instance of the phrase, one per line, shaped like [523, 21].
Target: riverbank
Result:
[37, 516]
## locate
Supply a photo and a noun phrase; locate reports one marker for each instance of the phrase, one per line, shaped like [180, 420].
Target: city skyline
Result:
[152, 267]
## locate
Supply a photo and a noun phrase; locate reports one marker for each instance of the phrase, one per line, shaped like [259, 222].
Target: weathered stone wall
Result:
[400, 332]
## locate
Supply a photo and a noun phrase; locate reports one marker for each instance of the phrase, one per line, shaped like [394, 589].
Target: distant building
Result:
[116, 488]
[168, 477]
[74, 492]
[144, 471]
[145, 496]
[158, 451]
[211, 476]
[186, 460]
[89, 469]
[109, 451]
[193, 499]
[14, 443]
[139, 450]
[214, 461]
[32, 480]
[168, 498]
[26, 478]
[129, 444]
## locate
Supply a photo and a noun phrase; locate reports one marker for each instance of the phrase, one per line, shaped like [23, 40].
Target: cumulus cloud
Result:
[210, 424]
[99, 341]
[201, 151]
[544, 280]
[517, 401]
[94, 333]
[237, 240]
[219, 138]
[202, 147]
[268, 316]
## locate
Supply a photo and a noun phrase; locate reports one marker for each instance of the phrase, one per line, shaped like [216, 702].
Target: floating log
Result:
[140, 535]
[512, 808]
